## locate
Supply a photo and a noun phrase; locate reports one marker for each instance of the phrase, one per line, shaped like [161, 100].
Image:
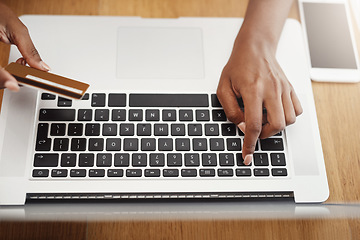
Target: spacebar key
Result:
[169, 100]
[57, 115]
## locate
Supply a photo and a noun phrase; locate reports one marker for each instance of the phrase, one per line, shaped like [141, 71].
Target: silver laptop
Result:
[151, 126]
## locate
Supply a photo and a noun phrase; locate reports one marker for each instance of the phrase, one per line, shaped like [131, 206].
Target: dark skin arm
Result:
[254, 74]
[13, 31]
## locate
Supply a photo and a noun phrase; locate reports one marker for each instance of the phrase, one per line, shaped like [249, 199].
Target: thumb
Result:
[27, 49]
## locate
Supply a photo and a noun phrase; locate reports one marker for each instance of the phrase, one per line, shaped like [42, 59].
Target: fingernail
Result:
[12, 85]
[248, 159]
[242, 126]
[45, 66]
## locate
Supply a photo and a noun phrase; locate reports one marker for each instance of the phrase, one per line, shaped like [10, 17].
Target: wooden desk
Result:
[338, 112]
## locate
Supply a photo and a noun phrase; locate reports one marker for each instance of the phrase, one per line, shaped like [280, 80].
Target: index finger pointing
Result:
[253, 122]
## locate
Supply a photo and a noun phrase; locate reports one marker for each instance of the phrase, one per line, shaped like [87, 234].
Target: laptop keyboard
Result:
[142, 136]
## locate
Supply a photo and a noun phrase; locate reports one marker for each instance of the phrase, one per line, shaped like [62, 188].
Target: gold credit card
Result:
[47, 81]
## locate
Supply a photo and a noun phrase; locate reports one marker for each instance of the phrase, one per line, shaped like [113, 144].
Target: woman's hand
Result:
[13, 31]
[254, 74]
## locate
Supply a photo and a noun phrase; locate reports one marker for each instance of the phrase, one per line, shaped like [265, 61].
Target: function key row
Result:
[171, 172]
[143, 100]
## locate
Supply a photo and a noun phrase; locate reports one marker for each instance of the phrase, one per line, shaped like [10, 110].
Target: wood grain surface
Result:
[338, 112]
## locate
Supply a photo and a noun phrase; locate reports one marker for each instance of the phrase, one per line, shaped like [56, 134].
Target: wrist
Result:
[254, 37]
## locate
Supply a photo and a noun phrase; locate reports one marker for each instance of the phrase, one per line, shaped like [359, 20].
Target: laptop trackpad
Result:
[305, 164]
[159, 53]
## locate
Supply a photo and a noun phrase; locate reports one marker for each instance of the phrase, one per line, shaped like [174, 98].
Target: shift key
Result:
[46, 160]
[57, 115]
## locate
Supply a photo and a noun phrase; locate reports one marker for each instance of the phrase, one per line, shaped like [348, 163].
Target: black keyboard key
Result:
[109, 129]
[43, 144]
[168, 115]
[207, 172]
[161, 130]
[64, 102]
[75, 129]
[243, 172]
[85, 96]
[118, 115]
[192, 159]
[202, 115]
[40, 173]
[139, 160]
[279, 172]
[43, 129]
[217, 144]
[261, 159]
[121, 160]
[86, 160]
[98, 100]
[233, 144]
[78, 173]
[117, 100]
[103, 160]
[84, 114]
[272, 144]
[218, 115]
[188, 172]
[148, 144]
[226, 159]
[133, 172]
[169, 100]
[174, 159]
[209, 159]
[96, 173]
[157, 160]
[152, 172]
[113, 144]
[194, 129]
[59, 172]
[225, 172]
[178, 129]
[131, 144]
[200, 144]
[61, 144]
[126, 129]
[102, 115]
[57, 129]
[182, 144]
[115, 173]
[165, 144]
[96, 144]
[136, 115]
[215, 101]
[92, 129]
[152, 115]
[186, 115]
[277, 159]
[261, 172]
[78, 144]
[144, 129]
[228, 129]
[68, 160]
[170, 172]
[57, 115]
[211, 130]
[240, 160]
[48, 96]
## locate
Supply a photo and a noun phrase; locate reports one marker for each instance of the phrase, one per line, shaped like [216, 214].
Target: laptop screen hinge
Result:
[154, 196]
